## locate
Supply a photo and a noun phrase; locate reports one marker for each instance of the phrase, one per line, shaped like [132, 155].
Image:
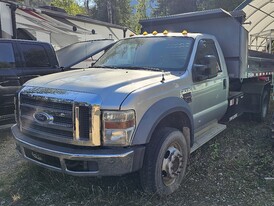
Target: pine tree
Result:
[112, 11]
[228, 5]
[166, 7]
[141, 13]
[70, 6]
[169, 7]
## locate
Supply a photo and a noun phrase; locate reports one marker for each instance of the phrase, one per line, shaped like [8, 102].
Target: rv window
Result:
[7, 59]
[35, 55]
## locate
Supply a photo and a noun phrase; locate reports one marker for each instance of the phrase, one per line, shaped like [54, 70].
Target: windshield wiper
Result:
[141, 68]
[130, 68]
[106, 67]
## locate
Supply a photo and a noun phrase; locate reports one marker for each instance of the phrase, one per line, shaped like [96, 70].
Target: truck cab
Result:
[140, 86]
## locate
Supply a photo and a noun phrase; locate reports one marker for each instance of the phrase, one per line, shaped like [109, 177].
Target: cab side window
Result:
[206, 63]
[35, 55]
[7, 59]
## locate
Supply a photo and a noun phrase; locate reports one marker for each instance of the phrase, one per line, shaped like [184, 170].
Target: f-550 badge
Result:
[186, 95]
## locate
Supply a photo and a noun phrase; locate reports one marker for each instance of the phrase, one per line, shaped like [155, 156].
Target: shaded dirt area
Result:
[235, 168]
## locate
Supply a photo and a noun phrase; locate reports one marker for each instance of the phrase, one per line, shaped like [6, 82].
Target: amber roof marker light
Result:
[184, 32]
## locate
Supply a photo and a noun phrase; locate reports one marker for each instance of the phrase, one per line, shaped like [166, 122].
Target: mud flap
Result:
[235, 107]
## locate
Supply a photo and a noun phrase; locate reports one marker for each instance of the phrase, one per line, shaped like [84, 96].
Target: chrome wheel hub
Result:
[172, 165]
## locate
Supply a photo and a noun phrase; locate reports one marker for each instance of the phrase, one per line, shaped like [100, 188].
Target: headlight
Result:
[118, 127]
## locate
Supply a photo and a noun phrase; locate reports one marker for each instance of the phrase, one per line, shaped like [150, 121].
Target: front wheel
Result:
[165, 162]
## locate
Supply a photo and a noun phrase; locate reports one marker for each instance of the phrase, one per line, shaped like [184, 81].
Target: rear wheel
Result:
[261, 116]
[165, 162]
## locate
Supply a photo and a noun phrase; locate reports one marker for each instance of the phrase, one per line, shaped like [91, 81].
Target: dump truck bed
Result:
[259, 64]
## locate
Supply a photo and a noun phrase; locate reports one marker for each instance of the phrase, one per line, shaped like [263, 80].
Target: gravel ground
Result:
[235, 168]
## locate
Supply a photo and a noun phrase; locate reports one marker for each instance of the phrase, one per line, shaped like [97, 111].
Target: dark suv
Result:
[20, 61]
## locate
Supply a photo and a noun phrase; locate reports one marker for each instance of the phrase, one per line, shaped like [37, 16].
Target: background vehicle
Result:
[147, 103]
[22, 60]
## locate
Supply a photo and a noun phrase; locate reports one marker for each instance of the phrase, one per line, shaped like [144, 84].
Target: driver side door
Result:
[209, 90]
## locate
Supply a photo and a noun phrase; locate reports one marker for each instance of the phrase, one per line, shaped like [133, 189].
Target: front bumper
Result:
[80, 161]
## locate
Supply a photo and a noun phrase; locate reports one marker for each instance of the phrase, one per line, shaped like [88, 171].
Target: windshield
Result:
[160, 53]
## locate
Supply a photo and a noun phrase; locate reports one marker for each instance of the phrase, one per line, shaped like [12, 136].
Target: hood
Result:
[77, 52]
[112, 85]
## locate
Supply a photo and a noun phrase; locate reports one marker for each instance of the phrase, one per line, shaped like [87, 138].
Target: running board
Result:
[6, 126]
[207, 134]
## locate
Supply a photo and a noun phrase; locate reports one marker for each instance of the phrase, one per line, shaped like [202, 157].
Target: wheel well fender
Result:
[171, 112]
[253, 94]
[256, 88]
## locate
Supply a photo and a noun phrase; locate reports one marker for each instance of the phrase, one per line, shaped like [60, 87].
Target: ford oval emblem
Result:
[42, 117]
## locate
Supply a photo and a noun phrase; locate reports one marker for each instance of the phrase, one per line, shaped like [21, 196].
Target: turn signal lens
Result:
[118, 127]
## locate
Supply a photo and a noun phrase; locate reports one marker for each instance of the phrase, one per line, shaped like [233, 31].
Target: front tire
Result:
[165, 162]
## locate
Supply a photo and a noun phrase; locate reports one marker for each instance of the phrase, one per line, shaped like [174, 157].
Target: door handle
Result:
[224, 84]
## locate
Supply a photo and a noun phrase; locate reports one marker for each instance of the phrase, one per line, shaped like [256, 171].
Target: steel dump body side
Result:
[260, 64]
[231, 35]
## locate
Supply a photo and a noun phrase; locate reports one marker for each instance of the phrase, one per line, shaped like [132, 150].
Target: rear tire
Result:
[165, 162]
[261, 116]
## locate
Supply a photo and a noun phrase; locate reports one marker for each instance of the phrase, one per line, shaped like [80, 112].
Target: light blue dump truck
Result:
[148, 102]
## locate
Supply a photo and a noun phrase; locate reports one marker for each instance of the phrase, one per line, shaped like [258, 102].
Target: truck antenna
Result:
[163, 76]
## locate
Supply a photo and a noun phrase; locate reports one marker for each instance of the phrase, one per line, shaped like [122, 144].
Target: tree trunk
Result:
[87, 6]
[109, 9]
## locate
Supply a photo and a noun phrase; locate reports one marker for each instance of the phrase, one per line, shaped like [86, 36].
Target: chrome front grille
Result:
[46, 114]
[44, 103]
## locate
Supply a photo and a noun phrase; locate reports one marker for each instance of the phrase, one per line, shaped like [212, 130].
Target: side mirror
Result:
[199, 72]
[212, 65]
[208, 69]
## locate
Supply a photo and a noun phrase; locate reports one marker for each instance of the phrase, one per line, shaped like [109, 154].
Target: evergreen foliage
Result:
[70, 6]
[122, 13]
